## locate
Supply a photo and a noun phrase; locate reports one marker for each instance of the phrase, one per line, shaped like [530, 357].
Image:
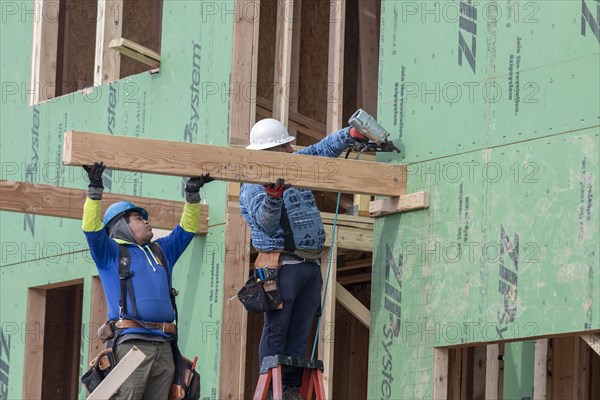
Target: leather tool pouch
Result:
[261, 295]
[100, 367]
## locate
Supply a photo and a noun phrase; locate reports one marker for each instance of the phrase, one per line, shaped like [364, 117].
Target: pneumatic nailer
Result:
[370, 128]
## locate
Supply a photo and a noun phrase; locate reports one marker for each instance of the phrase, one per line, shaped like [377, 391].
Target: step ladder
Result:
[270, 368]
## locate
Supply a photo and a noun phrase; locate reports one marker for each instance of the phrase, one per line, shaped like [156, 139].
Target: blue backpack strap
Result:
[126, 286]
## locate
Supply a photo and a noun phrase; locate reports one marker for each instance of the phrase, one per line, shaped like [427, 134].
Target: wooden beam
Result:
[335, 68]
[136, 51]
[360, 205]
[34, 343]
[44, 50]
[351, 304]
[353, 221]
[297, 121]
[327, 329]
[107, 66]
[242, 105]
[492, 371]
[407, 202]
[593, 340]
[294, 90]
[351, 238]
[118, 375]
[356, 264]
[61, 202]
[358, 278]
[368, 37]
[233, 164]
[540, 369]
[440, 373]
[283, 57]
[234, 316]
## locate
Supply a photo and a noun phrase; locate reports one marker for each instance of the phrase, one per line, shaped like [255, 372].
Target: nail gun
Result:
[370, 128]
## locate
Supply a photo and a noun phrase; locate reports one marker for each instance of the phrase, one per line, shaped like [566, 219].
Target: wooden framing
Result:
[107, 66]
[44, 50]
[98, 313]
[136, 51]
[593, 340]
[356, 308]
[34, 331]
[327, 329]
[283, 56]
[407, 202]
[233, 164]
[33, 198]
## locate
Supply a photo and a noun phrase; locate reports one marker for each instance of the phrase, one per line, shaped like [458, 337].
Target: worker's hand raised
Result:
[95, 172]
[194, 184]
[276, 189]
[357, 135]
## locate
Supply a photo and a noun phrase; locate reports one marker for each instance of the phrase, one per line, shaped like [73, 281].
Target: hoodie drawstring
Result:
[148, 258]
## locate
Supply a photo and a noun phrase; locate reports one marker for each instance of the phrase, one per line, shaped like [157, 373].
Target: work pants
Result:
[153, 378]
[286, 331]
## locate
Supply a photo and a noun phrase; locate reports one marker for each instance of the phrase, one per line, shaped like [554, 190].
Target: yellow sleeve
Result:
[190, 219]
[91, 221]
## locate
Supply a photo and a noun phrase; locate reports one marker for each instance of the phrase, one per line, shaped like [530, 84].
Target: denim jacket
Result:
[263, 213]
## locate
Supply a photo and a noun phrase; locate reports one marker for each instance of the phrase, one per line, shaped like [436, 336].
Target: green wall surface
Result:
[506, 143]
[36, 250]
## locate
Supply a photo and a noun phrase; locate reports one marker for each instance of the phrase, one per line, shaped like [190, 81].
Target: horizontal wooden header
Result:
[62, 202]
[234, 164]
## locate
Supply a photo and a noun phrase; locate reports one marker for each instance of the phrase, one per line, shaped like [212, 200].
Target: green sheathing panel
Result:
[518, 370]
[509, 245]
[187, 100]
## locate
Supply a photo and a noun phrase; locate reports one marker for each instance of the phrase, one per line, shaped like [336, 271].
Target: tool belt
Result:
[260, 293]
[166, 327]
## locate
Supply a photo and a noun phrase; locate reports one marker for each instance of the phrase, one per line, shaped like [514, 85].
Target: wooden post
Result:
[283, 56]
[440, 373]
[540, 368]
[492, 371]
[327, 329]
[107, 66]
[44, 50]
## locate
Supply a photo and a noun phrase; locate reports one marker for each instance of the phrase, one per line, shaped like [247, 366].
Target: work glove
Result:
[193, 185]
[358, 136]
[96, 186]
[275, 190]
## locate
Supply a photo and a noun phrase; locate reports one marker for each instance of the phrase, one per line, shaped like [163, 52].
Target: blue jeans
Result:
[286, 331]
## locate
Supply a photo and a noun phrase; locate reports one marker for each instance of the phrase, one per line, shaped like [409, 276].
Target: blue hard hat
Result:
[120, 208]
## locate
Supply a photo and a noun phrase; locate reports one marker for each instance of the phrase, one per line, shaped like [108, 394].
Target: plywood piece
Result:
[118, 375]
[234, 316]
[109, 26]
[233, 164]
[540, 369]
[38, 199]
[44, 51]
[136, 51]
[283, 57]
[355, 307]
[327, 328]
[407, 202]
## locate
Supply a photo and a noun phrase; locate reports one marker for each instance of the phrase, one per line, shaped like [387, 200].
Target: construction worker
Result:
[268, 210]
[144, 317]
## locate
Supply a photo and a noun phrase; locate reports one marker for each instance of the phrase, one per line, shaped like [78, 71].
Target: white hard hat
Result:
[268, 133]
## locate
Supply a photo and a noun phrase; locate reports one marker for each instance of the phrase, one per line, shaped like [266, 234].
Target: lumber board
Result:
[335, 67]
[297, 121]
[234, 316]
[368, 30]
[34, 344]
[353, 221]
[44, 52]
[283, 57]
[233, 164]
[492, 371]
[109, 26]
[118, 375]
[354, 306]
[540, 369]
[98, 313]
[136, 51]
[327, 328]
[358, 278]
[407, 202]
[350, 238]
[242, 108]
[356, 264]
[62, 202]
[440, 373]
